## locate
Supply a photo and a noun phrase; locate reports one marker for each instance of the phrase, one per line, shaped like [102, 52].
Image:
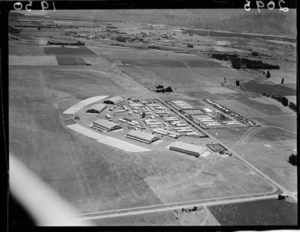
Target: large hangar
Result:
[114, 100]
[141, 136]
[96, 109]
[187, 148]
[105, 125]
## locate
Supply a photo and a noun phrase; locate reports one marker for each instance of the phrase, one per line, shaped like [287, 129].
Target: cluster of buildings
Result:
[156, 119]
[208, 118]
[238, 119]
[142, 115]
[181, 105]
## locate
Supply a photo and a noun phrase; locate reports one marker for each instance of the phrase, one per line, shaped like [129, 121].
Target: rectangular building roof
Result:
[142, 135]
[114, 100]
[188, 147]
[106, 124]
[194, 112]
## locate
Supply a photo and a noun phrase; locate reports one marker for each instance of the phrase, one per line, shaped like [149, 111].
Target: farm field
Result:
[271, 157]
[107, 173]
[166, 218]
[69, 60]
[38, 98]
[263, 213]
[33, 60]
[150, 219]
[80, 50]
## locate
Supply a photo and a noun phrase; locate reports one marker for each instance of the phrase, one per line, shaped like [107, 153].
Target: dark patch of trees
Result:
[121, 39]
[284, 101]
[154, 47]
[268, 75]
[281, 197]
[161, 89]
[237, 83]
[293, 159]
[237, 63]
[169, 89]
[223, 56]
[293, 106]
[13, 30]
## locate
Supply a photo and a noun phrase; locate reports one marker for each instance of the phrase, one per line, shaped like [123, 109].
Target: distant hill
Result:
[266, 23]
[237, 20]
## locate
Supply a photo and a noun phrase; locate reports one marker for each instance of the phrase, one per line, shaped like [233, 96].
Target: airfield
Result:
[112, 180]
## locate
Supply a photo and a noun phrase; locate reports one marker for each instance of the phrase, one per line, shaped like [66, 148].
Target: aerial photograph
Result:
[154, 117]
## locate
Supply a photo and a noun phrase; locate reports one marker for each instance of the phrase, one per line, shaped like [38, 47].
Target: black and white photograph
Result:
[166, 114]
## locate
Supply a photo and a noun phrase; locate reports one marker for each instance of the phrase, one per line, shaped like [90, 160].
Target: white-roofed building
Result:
[141, 136]
[96, 109]
[105, 125]
[187, 148]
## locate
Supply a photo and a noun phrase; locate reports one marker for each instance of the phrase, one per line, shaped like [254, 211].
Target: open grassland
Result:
[206, 180]
[164, 218]
[240, 108]
[22, 48]
[276, 89]
[73, 165]
[263, 106]
[69, 60]
[271, 157]
[271, 101]
[93, 82]
[80, 50]
[95, 177]
[150, 219]
[283, 125]
[265, 212]
[32, 60]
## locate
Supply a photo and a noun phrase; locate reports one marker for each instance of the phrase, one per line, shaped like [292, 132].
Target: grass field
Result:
[95, 177]
[69, 60]
[32, 60]
[22, 48]
[263, 213]
[149, 219]
[270, 89]
[266, 108]
[81, 50]
[286, 122]
[60, 157]
[271, 157]
[206, 179]
[240, 108]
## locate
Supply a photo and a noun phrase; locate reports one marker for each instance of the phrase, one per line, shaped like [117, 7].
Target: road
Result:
[215, 201]
[168, 207]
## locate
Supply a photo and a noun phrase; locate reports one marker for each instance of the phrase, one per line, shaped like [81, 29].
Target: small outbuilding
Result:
[216, 147]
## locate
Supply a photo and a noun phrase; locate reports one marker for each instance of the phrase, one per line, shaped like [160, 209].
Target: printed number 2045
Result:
[270, 5]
